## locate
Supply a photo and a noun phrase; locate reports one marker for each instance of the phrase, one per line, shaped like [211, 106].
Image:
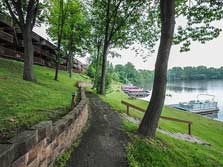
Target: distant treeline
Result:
[195, 73]
[128, 74]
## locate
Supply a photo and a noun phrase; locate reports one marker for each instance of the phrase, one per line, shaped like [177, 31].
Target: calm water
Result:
[184, 91]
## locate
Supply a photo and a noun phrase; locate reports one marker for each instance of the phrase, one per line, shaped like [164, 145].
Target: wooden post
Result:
[73, 101]
[127, 109]
[128, 106]
[189, 129]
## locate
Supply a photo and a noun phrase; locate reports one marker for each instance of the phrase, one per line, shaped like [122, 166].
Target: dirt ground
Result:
[103, 145]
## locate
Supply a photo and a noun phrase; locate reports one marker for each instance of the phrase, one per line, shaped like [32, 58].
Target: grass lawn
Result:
[167, 151]
[23, 103]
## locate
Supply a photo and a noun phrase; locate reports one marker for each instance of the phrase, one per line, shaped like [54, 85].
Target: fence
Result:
[128, 105]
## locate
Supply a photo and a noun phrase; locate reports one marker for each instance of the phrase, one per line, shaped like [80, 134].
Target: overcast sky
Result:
[209, 54]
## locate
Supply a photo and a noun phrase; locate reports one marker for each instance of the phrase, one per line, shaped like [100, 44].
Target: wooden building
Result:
[11, 47]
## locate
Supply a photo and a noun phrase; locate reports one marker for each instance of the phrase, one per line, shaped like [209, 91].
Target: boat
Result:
[203, 107]
[135, 92]
[126, 88]
[138, 92]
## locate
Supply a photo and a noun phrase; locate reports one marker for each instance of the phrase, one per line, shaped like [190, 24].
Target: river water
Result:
[184, 91]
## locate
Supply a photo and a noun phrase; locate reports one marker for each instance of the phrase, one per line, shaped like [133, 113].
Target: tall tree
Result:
[76, 32]
[117, 19]
[61, 20]
[95, 63]
[56, 19]
[150, 120]
[68, 25]
[24, 14]
[95, 41]
[199, 15]
[98, 64]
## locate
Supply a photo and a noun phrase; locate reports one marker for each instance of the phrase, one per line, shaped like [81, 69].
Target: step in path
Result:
[103, 145]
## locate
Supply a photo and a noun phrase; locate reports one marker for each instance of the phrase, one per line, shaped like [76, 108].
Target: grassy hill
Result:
[23, 103]
[167, 151]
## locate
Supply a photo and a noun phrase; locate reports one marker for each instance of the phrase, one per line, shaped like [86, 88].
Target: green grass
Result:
[24, 103]
[167, 151]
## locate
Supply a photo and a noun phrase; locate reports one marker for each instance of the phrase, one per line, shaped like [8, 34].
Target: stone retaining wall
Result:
[39, 146]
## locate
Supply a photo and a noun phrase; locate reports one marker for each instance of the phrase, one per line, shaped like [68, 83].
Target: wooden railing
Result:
[6, 36]
[10, 53]
[128, 106]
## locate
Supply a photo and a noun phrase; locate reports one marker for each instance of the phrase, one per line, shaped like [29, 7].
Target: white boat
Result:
[203, 107]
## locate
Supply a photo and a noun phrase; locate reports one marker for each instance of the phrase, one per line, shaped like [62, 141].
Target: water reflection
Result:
[180, 89]
[214, 115]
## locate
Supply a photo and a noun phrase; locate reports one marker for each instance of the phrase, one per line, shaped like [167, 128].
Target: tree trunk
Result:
[150, 120]
[96, 73]
[103, 70]
[28, 73]
[70, 67]
[67, 62]
[105, 49]
[70, 54]
[98, 63]
[57, 66]
[98, 79]
[59, 38]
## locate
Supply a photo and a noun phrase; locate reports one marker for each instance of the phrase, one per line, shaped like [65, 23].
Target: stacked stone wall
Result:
[44, 142]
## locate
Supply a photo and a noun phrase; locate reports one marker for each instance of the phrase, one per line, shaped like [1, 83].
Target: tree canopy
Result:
[25, 12]
[68, 27]
[200, 17]
[116, 24]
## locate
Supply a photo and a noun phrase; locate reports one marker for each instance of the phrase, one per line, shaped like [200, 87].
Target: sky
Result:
[209, 54]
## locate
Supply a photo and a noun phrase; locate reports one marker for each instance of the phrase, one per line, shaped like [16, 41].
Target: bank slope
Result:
[23, 103]
[166, 151]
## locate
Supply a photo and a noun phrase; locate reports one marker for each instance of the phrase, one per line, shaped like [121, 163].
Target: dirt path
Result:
[103, 145]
